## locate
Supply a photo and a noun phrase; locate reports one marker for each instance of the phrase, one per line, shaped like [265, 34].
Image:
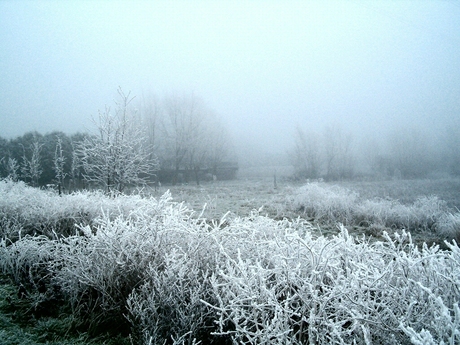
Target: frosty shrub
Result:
[333, 204]
[26, 260]
[167, 306]
[325, 203]
[422, 215]
[449, 226]
[27, 210]
[98, 270]
[338, 291]
[379, 211]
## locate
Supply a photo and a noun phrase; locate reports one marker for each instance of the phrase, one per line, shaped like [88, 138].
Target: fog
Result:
[265, 67]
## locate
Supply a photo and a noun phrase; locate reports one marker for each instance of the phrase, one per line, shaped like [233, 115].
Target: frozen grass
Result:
[326, 203]
[153, 268]
[239, 198]
[420, 206]
[336, 290]
[407, 191]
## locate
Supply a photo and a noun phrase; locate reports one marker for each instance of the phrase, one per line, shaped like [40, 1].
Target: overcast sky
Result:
[264, 66]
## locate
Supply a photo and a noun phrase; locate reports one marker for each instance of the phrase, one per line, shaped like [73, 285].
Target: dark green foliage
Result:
[20, 147]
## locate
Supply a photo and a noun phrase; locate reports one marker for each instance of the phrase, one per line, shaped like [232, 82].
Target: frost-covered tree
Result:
[118, 156]
[306, 156]
[12, 169]
[31, 169]
[338, 153]
[149, 110]
[58, 165]
[410, 152]
[184, 134]
[219, 145]
[74, 167]
[3, 157]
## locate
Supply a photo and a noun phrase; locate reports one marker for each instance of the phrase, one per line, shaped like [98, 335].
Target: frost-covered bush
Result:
[449, 226]
[27, 210]
[26, 261]
[168, 305]
[98, 270]
[337, 290]
[423, 214]
[378, 211]
[332, 204]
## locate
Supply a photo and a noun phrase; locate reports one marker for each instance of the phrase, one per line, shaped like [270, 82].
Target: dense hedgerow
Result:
[177, 279]
[333, 204]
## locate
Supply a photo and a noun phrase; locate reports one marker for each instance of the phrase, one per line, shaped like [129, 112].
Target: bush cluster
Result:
[31, 211]
[333, 204]
[173, 278]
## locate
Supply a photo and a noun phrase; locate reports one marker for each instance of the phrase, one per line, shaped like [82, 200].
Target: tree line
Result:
[31, 157]
[132, 143]
[405, 153]
[179, 140]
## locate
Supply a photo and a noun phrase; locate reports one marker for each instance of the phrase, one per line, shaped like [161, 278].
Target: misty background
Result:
[373, 71]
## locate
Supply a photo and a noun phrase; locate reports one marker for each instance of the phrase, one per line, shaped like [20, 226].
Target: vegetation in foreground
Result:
[27, 318]
[163, 275]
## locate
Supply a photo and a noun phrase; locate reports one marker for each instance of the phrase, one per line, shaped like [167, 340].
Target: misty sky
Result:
[264, 66]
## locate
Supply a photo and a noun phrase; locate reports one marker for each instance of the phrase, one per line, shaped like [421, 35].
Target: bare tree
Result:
[31, 168]
[58, 165]
[196, 154]
[12, 168]
[306, 157]
[184, 134]
[218, 144]
[410, 152]
[208, 144]
[188, 137]
[118, 155]
[150, 112]
[338, 153]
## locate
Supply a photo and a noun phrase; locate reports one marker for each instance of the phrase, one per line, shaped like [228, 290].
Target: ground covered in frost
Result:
[170, 272]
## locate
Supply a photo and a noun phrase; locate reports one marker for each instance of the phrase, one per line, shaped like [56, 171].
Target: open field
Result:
[257, 265]
[239, 198]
